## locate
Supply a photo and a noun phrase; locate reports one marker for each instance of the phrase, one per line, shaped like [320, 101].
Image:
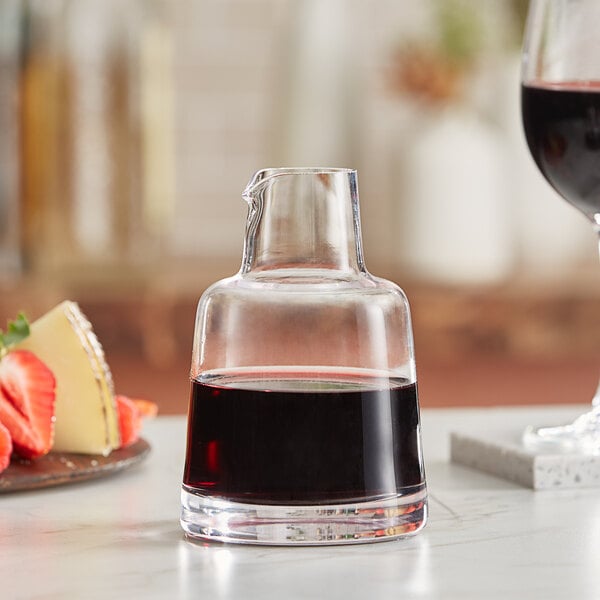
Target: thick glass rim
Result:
[303, 170]
[263, 176]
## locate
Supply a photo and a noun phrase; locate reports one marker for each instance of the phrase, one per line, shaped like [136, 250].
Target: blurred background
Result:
[128, 129]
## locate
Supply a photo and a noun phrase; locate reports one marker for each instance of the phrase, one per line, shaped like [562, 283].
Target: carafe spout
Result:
[259, 181]
[303, 218]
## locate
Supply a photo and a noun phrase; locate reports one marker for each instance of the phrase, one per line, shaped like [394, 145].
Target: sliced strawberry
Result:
[6, 447]
[146, 408]
[27, 397]
[130, 420]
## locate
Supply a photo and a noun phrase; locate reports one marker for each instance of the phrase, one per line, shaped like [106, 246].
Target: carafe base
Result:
[209, 518]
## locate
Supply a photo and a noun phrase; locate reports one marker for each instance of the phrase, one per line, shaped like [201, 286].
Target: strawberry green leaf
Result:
[17, 331]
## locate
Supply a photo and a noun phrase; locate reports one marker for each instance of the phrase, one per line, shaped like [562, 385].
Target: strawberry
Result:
[130, 420]
[132, 411]
[27, 396]
[5, 447]
[146, 408]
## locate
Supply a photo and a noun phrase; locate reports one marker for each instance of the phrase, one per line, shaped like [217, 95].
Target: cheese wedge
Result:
[86, 413]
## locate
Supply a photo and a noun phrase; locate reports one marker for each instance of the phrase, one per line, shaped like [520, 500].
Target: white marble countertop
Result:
[119, 537]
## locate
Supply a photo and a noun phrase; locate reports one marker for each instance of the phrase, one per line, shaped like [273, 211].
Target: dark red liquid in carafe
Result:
[269, 444]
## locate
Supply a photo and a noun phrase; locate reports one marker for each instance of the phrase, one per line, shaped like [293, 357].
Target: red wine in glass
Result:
[562, 127]
[302, 445]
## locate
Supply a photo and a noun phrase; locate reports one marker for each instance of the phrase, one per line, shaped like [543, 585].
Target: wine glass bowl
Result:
[560, 102]
[562, 127]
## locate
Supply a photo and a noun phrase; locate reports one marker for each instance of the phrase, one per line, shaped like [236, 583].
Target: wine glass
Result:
[560, 102]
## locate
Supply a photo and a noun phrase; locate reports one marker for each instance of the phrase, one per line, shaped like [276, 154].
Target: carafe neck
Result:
[303, 219]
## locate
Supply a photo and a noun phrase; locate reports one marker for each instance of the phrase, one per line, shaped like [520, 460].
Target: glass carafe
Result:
[303, 423]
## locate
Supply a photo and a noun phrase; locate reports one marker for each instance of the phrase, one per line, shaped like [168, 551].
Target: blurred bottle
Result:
[10, 257]
[96, 136]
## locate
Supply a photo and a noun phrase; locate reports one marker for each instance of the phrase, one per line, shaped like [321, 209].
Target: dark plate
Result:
[59, 468]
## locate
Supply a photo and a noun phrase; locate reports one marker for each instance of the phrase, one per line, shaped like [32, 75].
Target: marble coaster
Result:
[501, 453]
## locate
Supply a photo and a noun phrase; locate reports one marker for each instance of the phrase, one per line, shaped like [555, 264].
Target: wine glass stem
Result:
[596, 399]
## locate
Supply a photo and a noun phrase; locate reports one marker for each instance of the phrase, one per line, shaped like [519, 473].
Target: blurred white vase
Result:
[456, 222]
